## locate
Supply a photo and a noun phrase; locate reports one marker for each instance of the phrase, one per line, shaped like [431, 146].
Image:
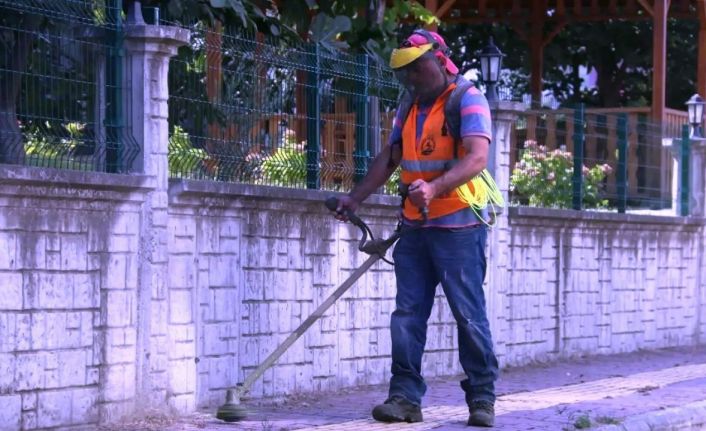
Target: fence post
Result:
[622, 174]
[684, 172]
[577, 181]
[114, 122]
[362, 149]
[313, 121]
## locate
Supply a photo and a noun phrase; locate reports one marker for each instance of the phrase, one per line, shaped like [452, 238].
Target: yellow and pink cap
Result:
[416, 45]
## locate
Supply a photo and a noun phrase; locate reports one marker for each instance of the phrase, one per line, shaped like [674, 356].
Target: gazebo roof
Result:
[488, 11]
[537, 22]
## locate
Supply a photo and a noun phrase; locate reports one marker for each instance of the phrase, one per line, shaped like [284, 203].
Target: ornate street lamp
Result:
[695, 106]
[491, 60]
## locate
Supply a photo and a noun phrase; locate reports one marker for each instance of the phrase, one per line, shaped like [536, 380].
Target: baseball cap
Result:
[416, 45]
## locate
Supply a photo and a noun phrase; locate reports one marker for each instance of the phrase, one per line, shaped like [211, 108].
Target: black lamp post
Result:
[491, 60]
[695, 107]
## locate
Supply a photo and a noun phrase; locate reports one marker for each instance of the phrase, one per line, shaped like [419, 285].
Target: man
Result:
[450, 247]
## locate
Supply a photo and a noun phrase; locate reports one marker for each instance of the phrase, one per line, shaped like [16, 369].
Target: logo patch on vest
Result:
[428, 146]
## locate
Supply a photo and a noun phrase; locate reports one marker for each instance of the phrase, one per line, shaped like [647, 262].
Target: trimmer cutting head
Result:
[232, 410]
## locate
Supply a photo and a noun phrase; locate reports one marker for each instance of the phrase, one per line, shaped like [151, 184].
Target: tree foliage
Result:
[620, 53]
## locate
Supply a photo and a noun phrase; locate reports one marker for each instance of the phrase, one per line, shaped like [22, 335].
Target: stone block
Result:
[7, 372]
[29, 420]
[119, 305]
[86, 288]
[223, 270]
[10, 291]
[214, 341]
[183, 402]
[208, 237]
[284, 379]
[29, 371]
[31, 250]
[182, 376]
[121, 243]
[224, 304]
[8, 250]
[125, 223]
[114, 272]
[92, 376]
[54, 408]
[84, 405]
[182, 270]
[29, 401]
[73, 252]
[119, 382]
[10, 413]
[180, 306]
[119, 354]
[132, 268]
[221, 372]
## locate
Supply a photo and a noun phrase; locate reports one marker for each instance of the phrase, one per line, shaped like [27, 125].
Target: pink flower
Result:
[606, 168]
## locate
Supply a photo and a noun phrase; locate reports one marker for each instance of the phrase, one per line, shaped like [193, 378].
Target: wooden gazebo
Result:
[531, 18]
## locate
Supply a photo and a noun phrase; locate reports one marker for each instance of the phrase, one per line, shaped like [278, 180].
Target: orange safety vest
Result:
[429, 157]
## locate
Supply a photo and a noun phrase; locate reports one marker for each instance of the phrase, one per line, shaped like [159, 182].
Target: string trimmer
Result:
[233, 410]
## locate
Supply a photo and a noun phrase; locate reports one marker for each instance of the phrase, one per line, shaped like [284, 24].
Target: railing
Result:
[62, 98]
[674, 121]
[647, 165]
[247, 109]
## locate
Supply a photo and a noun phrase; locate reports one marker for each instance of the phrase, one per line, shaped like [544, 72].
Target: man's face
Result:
[421, 77]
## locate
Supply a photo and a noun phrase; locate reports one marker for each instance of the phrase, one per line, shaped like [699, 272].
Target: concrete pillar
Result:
[504, 116]
[697, 186]
[697, 182]
[148, 49]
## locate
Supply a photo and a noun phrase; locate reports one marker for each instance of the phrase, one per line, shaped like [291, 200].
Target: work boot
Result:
[397, 409]
[482, 413]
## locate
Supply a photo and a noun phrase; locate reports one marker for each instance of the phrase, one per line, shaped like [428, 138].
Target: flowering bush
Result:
[544, 178]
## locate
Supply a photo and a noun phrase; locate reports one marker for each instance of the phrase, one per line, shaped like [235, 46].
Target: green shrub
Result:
[185, 160]
[286, 166]
[543, 178]
[46, 146]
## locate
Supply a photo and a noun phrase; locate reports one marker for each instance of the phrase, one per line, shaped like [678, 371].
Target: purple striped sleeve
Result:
[396, 134]
[475, 114]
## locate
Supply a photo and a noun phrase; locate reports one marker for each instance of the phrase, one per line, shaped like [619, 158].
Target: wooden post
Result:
[659, 58]
[701, 65]
[432, 6]
[659, 74]
[536, 42]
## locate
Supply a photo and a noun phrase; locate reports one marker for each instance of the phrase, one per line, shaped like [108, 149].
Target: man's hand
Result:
[345, 204]
[421, 193]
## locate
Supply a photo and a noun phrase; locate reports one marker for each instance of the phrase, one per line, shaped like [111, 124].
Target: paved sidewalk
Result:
[650, 390]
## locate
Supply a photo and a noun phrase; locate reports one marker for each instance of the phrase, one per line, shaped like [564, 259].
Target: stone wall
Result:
[120, 292]
[599, 283]
[561, 283]
[68, 284]
[246, 264]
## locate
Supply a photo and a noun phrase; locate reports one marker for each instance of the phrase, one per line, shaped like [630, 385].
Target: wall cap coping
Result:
[520, 212]
[157, 33]
[30, 175]
[185, 187]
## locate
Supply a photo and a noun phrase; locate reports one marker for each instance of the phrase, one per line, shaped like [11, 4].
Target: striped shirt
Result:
[475, 121]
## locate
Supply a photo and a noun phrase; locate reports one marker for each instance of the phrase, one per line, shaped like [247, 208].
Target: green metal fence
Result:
[61, 85]
[591, 158]
[246, 109]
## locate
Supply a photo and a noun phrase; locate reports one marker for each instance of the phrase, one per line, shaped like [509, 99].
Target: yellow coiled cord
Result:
[480, 192]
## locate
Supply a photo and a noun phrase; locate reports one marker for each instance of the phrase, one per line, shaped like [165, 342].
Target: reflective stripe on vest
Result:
[429, 157]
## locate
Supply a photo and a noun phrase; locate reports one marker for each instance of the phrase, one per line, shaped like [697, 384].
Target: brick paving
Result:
[582, 393]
